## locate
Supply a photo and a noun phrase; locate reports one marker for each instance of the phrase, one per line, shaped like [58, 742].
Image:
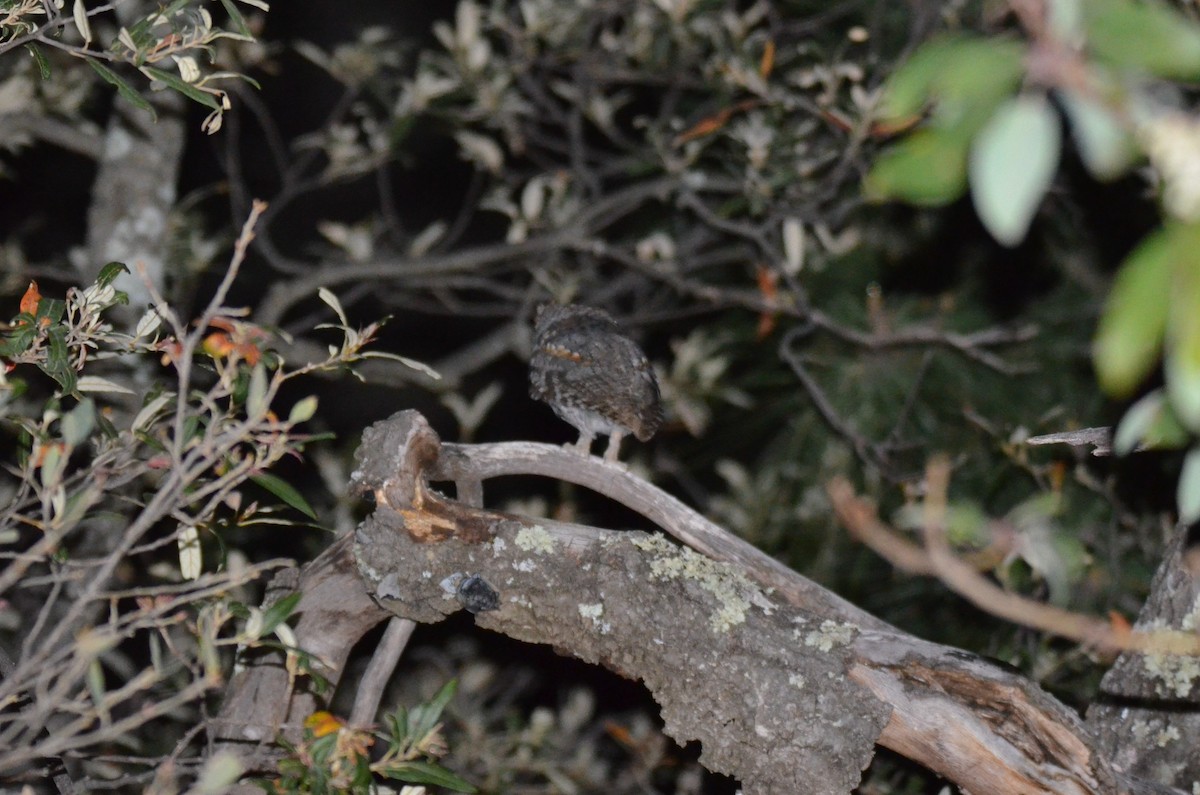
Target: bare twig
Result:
[379, 671]
[936, 559]
[1100, 439]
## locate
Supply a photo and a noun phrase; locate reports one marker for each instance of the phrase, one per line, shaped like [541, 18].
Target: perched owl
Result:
[593, 376]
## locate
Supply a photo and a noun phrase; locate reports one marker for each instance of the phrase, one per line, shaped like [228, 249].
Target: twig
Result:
[379, 671]
[1100, 439]
[938, 560]
[973, 345]
[870, 454]
[591, 219]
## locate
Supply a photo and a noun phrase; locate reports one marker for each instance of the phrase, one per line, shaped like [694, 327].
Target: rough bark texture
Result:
[1148, 718]
[728, 667]
[133, 194]
[263, 701]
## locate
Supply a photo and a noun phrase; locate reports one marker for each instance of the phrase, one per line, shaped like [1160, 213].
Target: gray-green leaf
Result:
[1012, 164]
[1187, 494]
[1105, 147]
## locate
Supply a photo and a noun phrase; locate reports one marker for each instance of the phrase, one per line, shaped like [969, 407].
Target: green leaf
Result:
[110, 272]
[58, 364]
[97, 689]
[1187, 493]
[1166, 432]
[139, 34]
[123, 88]
[42, 64]
[18, 340]
[191, 556]
[966, 524]
[1105, 146]
[303, 410]
[422, 719]
[928, 168]
[49, 309]
[1182, 361]
[284, 491]
[332, 301]
[426, 773]
[53, 464]
[236, 19]
[187, 89]
[221, 770]
[256, 392]
[1148, 36]
[77, 423]
[1134, 321]
[1012, 165]
[279, 612]
[1137, 422]
[955, 69]
[94, 383]
[77, 506]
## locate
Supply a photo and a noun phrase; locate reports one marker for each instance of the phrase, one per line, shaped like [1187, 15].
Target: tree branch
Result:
[781, 689]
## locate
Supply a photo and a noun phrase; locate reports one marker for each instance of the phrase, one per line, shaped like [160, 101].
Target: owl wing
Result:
[635, 380]
[605, 373]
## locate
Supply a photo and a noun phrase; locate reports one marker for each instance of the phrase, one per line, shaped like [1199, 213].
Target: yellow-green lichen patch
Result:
[830, 634]
[595, 613]
[1176, 674]
[728, 586]
[1146, 732]
[535, 539]
[1167, 736]
[1191, 620]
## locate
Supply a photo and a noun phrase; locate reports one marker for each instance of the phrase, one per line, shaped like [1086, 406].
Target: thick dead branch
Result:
[759, 685]
[264, 700]
[766, 669]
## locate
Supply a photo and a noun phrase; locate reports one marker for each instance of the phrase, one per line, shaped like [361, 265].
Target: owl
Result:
[593, 376]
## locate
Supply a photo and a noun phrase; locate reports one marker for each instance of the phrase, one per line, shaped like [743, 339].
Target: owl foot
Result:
[582, 445]
[613, 451]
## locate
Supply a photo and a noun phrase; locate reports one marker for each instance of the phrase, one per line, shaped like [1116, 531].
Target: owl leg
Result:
[614, 445]
[584, 443]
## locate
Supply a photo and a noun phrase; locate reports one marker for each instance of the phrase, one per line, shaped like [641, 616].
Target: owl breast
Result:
[593, 376]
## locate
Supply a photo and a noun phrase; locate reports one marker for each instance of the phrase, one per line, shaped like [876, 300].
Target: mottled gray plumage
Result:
[593, 376]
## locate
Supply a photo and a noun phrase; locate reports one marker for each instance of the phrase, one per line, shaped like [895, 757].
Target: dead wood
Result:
[787, 686]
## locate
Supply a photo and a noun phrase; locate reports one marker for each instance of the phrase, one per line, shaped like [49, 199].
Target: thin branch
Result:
[937, 559]
[379, 671]
[869, 453]
[973, 345]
